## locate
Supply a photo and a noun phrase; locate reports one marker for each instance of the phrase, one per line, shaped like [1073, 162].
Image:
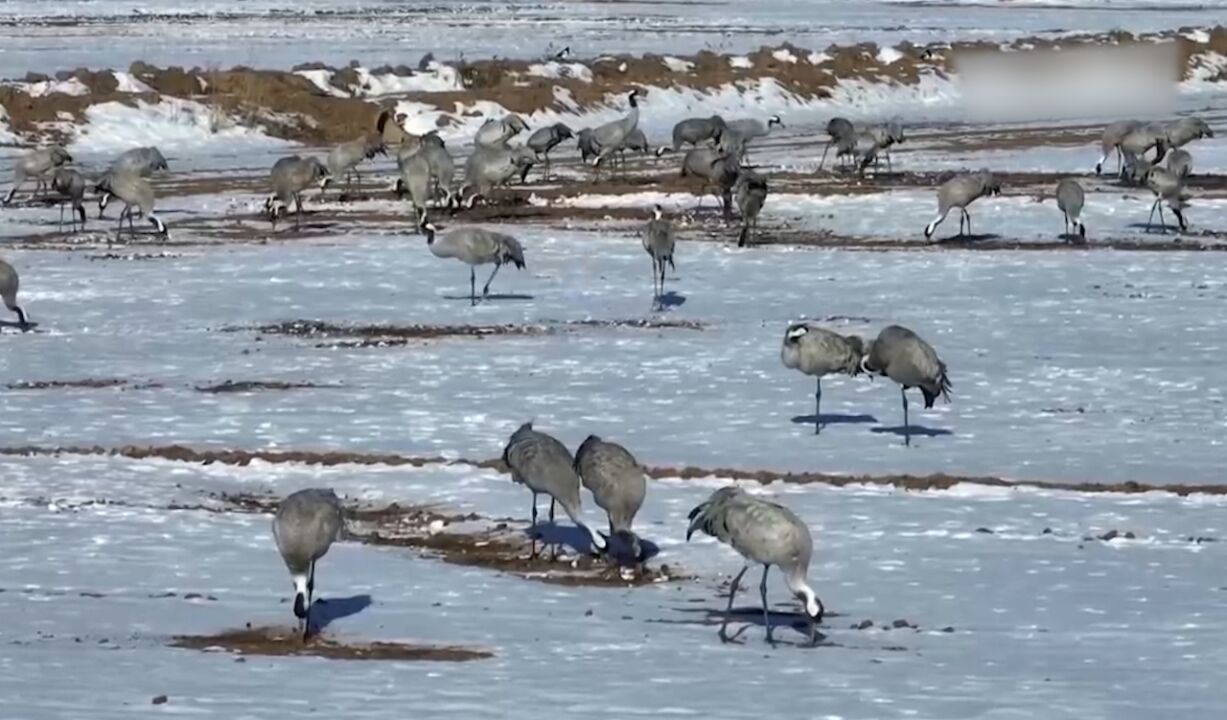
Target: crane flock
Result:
[715, 150]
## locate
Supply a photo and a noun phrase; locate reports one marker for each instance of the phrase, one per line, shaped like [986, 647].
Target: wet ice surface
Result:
[1074, 365]
[1040, 622]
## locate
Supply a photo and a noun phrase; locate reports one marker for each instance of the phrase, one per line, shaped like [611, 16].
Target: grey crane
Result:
[290, 176]
[544, 465]
[9, 282]
[618, 485]
[839, 130]
[433, 151]
[959, 192]
[693, 131]
[1110, 141]
[763, 533]
[545, 139]
[489, 167]
[753, 128]
[70, 186]
[586, 145]
[416, 177]
[746, 130]
[1167, 187]
[305, 526]
[900, 354]
[637, 142]
[1138, 142]
[37, 165]
[658, 241]
[144, 161]
[1180, 163]
[442, 167]
[750, 192]
[818, 352]
[1070, 199]
[885, 136]
[137, 195]
[609, 138]
[496, 133]
[343, 160]
[475, 246]
[1186, 130]
[391, 130]
[715, 170]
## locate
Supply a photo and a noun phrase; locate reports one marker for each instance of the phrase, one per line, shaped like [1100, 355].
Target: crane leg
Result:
[1150, 218]
[762, 589]
[74, 219]
[532, 532]
[472, 285]
[486, 288]
[968, 216]
[306, 620]
[824, 155]
[729, 610]
[818, 408]
[662, 280]
[907, 429]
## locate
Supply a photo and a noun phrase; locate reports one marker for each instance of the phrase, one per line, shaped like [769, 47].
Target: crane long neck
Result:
[798, 583]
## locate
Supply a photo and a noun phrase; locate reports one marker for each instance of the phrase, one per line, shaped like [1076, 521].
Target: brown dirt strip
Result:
[285, 642]
[381, 336]
[227, 386]
[937, 481]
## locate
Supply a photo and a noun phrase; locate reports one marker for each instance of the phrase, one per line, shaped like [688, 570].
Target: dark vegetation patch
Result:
[244, 386]
[284, 642]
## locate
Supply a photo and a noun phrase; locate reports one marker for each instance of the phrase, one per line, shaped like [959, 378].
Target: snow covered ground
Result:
[1074, 366]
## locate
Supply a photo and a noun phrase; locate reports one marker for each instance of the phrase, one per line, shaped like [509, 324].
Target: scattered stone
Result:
[160, 700]
[863, 625]
[901, 623]
[1109, 536]
[984, 530]
[948, 629]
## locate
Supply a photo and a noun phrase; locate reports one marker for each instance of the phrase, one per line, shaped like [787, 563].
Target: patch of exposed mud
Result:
[57, 384]
[246, 386]
[470, 540]
[382, 336]
[287, 642]
[89, 383]
[937, 481]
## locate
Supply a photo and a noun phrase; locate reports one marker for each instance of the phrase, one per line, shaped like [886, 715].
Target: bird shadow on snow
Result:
[569, 535]
[326, 610]
[967, 239]
[914, 430]
[752, 617]
[836, 419]
[1155, 228]
[492, 296]
[17, 325]
[670, 300]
